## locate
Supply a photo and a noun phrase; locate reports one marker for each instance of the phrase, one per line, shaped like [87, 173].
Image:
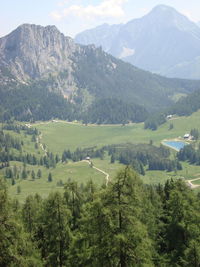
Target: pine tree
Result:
[112, 230]
[30, 212]
[24, 173]
[73, 199]
[18, 189]
[112, 160]
[33, 175]
[39, 173]
[15, 247]
[56, 236]
[50, 179]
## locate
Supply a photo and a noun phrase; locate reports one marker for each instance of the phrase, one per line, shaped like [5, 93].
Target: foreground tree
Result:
[112, 232]
[54, 234]
[15, 248]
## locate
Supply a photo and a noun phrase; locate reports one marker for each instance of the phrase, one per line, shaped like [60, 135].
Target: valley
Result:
[56, 136]
[99, 134]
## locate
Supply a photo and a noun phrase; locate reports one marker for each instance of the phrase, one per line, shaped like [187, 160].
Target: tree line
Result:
[143, 155]
[190, 153]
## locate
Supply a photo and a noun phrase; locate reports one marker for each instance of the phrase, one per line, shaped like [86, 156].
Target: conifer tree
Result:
[54, 232]
[39, 173]
[15, 247]
[33, 175]
[74, 202]
[50, 177]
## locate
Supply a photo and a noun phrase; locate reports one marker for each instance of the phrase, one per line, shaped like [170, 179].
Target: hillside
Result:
[40, 65]
[185, 106]
[163, 41]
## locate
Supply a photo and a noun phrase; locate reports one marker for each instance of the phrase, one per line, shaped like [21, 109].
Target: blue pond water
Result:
[175, 144]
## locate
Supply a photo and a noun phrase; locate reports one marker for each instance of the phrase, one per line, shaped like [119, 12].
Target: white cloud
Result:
[56, 15]
[107, 8]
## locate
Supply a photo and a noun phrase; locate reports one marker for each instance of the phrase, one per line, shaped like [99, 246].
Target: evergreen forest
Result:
[124, 224]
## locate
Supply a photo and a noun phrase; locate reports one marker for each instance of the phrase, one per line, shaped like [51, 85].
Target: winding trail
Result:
[38, 141]
[105, 173]
[99, 170]
[191, 185]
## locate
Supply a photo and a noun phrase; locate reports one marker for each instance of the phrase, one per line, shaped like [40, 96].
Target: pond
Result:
[177, 145]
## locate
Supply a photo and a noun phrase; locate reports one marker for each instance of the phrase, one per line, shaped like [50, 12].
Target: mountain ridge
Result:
[163, 41]
[42, 59]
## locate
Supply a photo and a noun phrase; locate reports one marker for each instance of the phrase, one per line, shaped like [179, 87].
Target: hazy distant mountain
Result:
[103, 35]
[163, 41]
[44, 59]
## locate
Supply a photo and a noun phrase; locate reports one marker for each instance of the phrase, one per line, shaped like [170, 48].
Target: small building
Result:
[169, 117]
[186, 136]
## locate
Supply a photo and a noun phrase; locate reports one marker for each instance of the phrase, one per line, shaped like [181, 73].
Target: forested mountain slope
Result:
[41, 61]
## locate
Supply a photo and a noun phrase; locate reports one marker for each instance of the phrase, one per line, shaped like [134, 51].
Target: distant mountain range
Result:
[163, 41]
[39, 66]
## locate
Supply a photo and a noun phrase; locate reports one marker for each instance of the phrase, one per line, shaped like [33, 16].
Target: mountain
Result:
[163, 41]
[33, 52]
[39, 64]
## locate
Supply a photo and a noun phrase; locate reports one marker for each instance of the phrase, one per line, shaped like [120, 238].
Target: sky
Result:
[74, 16]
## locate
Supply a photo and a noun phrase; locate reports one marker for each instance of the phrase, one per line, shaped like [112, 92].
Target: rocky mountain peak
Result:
[166, 16]
[163, 41]
[33, 51]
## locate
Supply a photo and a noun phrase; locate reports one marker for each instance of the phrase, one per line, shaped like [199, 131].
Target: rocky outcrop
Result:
[34, 52]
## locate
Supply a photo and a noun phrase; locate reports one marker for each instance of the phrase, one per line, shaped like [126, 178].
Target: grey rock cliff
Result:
[34, 52]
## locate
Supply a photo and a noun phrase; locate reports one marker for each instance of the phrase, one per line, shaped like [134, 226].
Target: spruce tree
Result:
[50, 179]
[54, 226]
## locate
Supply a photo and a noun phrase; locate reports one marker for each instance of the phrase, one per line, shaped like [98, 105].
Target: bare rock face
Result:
[34, 52]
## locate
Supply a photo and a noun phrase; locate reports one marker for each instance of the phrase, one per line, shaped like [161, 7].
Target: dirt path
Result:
[38, 141]
[105, 173]
[99, 170]
[191, 185]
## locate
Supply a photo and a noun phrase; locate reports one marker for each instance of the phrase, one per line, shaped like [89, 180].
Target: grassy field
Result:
[28, 144]
[58, 136]
[62, 135]
[79, 171]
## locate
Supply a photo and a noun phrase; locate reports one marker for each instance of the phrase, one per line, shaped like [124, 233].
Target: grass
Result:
[61, 135]
[58, 136]
[196, 182]
[28, 145]
[79, 171]
[188, 172]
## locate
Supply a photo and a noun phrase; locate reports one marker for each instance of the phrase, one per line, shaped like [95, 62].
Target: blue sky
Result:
[73, 16]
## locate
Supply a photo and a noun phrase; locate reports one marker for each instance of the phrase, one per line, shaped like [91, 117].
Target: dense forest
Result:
[143, 156]
[190, 153]
[114, 111]
[123, 224]
[36, 102]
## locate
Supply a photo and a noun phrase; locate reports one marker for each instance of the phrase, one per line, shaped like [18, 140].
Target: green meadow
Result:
[61, 135]
[79, 171]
